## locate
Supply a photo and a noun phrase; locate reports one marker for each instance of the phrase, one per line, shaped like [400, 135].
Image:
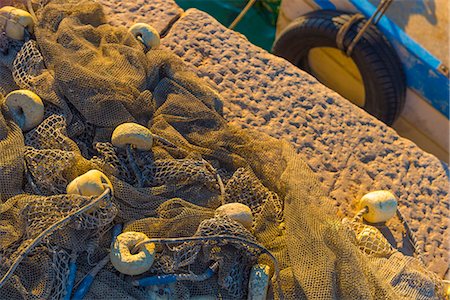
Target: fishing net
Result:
[93, 77]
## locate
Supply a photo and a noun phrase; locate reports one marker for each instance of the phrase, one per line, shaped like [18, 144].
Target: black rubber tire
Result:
[379, 65]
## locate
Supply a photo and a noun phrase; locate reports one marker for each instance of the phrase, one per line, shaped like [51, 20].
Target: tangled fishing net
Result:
[93, 77]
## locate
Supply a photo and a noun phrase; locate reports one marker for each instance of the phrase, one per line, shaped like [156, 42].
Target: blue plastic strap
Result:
[326, 4]
[117, 229]
[155, 280]
[71, 279]
[420, 66]
[83, 288]
[209, 273]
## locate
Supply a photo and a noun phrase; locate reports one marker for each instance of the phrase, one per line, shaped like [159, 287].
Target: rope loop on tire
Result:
[374, 19]
[345, 28]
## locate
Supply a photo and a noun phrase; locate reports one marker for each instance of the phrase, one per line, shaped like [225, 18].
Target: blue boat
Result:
[418, 33]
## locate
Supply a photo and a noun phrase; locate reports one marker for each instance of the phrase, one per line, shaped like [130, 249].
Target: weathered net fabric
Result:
[93, 77]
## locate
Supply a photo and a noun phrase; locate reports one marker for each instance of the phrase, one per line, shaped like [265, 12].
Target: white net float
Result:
[259, 282]
[130, 263]
[91, 183]
[15, 21]
[381, 206]
[132, 134]
[26, 108]
[146, 34]
[238, 212]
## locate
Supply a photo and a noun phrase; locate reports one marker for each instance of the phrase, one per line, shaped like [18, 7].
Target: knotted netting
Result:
[93, 77]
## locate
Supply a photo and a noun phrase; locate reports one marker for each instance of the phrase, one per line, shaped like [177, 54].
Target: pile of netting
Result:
[93, 77]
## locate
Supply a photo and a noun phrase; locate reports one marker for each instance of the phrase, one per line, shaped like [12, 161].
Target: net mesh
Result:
[93, 77]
